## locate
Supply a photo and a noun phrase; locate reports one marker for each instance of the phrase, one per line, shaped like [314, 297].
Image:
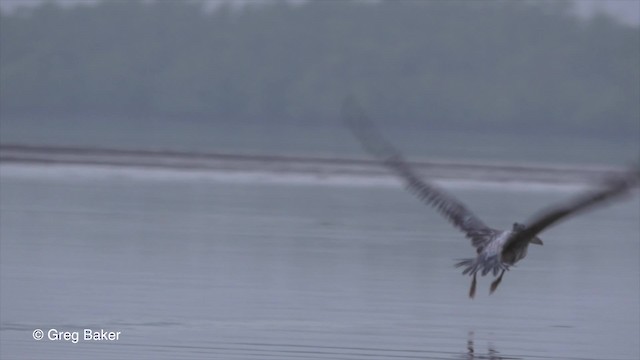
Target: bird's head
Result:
[517, 227]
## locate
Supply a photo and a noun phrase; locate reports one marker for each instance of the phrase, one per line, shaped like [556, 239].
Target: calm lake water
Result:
[189, 267]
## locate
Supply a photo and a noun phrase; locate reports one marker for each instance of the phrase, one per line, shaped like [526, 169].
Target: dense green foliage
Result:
[440, 64]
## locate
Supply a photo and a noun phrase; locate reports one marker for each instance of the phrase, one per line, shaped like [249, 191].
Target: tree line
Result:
[508, 65]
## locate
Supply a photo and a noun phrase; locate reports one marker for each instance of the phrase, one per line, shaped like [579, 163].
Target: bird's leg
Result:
[496, 282]
[472, 290]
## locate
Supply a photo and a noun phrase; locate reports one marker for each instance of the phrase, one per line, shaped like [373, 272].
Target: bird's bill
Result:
[536, 240]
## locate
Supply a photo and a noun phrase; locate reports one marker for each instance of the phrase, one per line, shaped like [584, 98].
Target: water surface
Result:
[199, 268]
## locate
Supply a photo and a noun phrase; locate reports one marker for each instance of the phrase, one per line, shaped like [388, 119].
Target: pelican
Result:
[496, 250]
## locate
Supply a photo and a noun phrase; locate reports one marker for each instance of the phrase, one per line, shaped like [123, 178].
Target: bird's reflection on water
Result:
[491, 354]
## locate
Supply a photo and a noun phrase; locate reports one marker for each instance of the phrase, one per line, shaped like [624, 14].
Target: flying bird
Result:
[496, 250]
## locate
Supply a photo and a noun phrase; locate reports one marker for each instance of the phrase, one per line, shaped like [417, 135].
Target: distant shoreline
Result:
[320, 167]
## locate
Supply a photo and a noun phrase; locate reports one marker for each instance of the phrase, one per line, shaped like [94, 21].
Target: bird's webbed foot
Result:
[495, 283]
[472, 289]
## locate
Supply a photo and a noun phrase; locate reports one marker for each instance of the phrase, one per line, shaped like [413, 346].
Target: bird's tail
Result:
[483, 264]
[470, 266]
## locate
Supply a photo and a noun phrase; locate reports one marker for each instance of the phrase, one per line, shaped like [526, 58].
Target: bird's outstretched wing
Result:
[450, 207]
[611, 188]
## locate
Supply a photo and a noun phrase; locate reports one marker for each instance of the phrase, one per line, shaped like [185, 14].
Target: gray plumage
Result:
[496, 250]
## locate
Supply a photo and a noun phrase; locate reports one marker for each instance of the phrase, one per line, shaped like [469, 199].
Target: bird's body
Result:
[492, 257]
[496, 250]
[489, 258]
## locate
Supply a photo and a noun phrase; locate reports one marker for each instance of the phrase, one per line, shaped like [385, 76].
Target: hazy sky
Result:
[625, 10]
